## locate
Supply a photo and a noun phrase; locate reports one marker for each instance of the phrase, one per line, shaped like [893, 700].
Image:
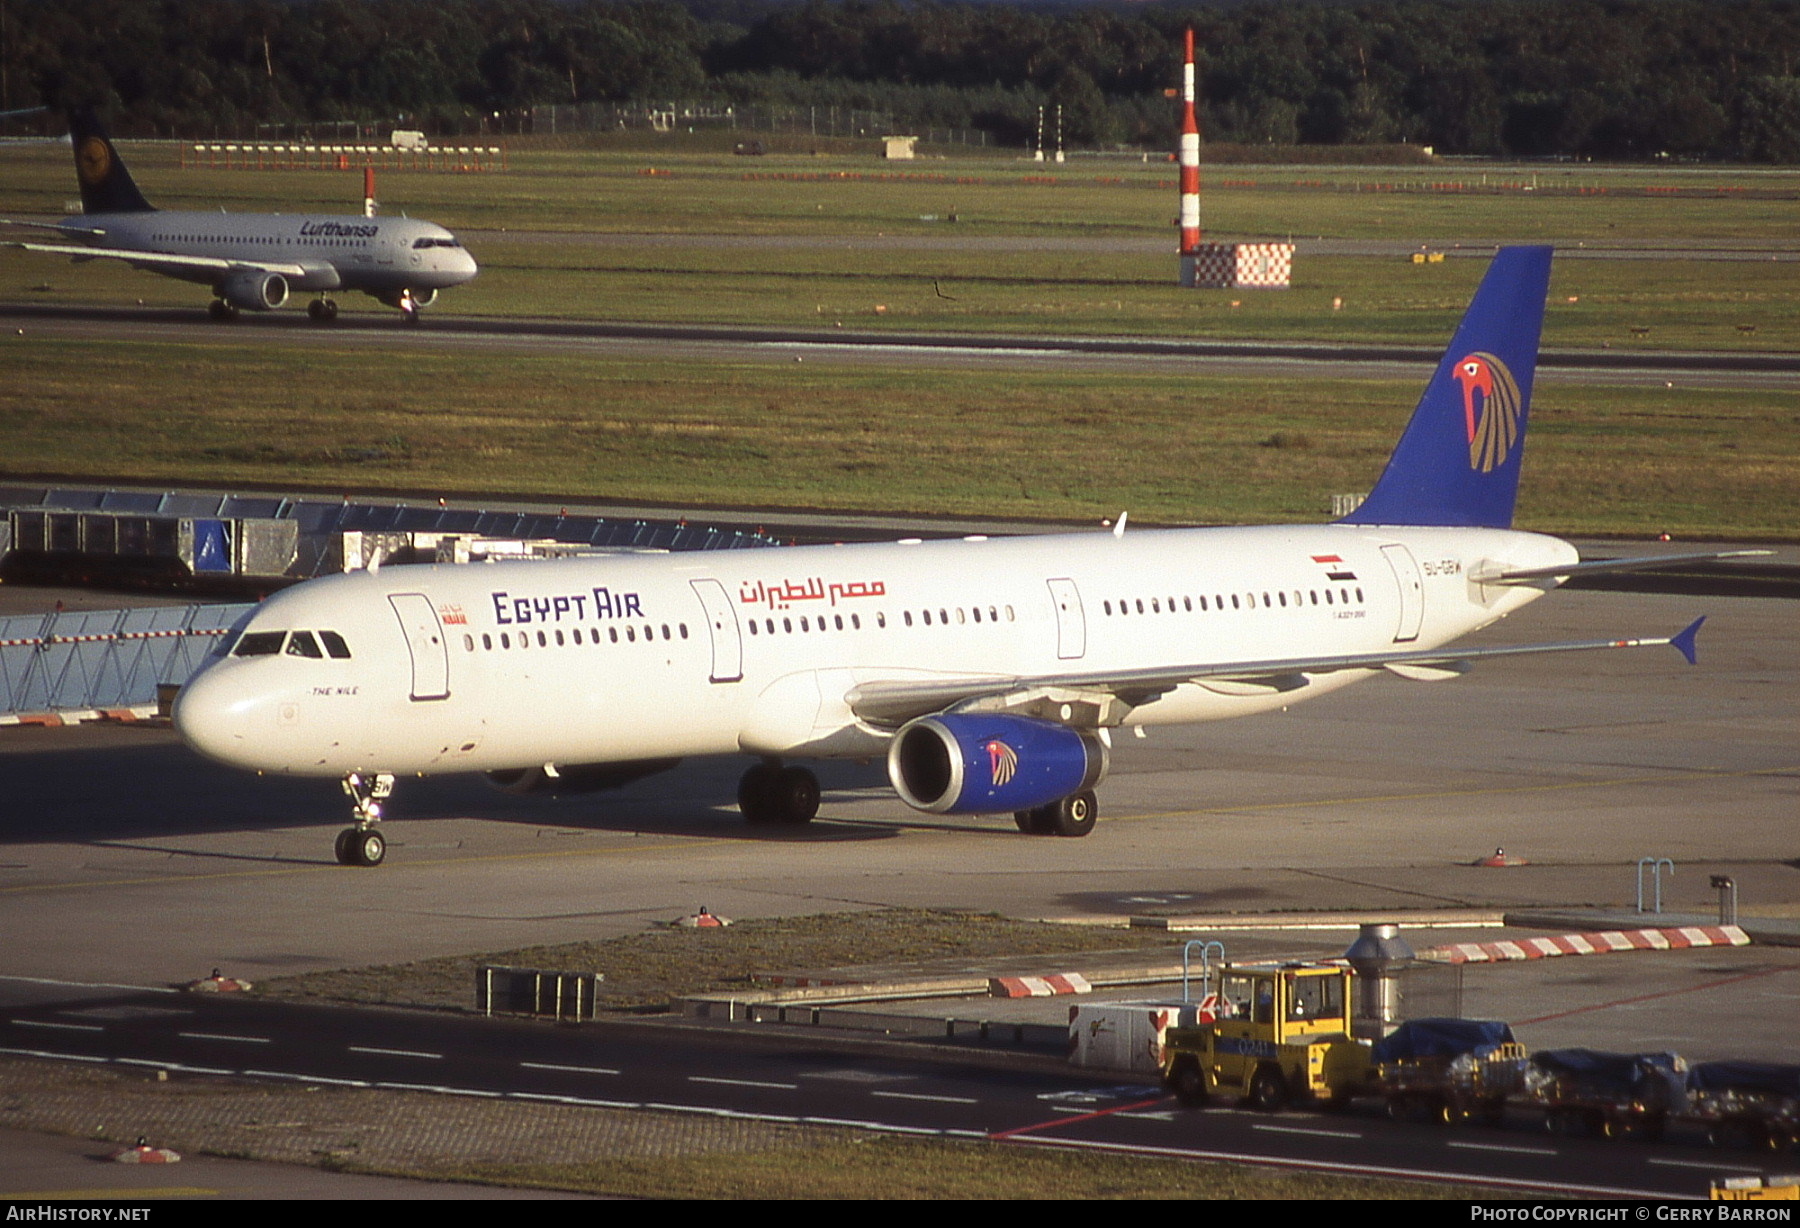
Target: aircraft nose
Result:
[214, 714]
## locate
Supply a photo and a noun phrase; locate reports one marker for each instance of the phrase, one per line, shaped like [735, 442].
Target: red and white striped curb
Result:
[76, 716]
[1674, 938]
[1038, 986]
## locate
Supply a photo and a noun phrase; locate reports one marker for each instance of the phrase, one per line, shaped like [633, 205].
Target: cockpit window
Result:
[302, 644]
[430, 242]
[259, 644]
[334, 644]
[226, 643]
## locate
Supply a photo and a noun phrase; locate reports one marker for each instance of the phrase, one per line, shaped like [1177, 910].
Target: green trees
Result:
[1574, 78]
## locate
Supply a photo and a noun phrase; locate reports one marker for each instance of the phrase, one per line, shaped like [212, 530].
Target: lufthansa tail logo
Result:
[1493, 426]
[94, 161]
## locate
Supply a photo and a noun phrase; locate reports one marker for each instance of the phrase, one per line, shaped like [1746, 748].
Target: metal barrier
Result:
[70, 665]
[251, 537]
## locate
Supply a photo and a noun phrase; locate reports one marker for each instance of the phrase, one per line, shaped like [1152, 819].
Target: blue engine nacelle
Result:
[972, 763]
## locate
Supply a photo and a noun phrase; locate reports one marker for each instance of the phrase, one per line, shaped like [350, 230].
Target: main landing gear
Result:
[1072, 816]
[770, 793]
[362, 845]
[222, 311]
[322, 311]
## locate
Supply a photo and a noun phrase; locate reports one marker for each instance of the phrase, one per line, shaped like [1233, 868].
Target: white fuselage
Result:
[378, 255]
[634, 657]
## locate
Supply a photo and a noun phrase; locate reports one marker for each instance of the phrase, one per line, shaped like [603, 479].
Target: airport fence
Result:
[71, 665]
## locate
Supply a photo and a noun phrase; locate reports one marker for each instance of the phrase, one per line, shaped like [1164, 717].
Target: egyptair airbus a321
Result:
[252, 261]
[990, 674]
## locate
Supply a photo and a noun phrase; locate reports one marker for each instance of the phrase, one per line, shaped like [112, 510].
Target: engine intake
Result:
[255, 291]
[972, 763]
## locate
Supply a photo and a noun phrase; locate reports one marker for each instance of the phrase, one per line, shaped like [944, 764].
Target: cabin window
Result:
[1283, 597]
[977, 613]
[881, 619]
[487, 642]
[631, 634]
[468, 642]
[753, 626]
[666, 633]
[559, 637]
[787, 625]
[927, 615]
[683, 630]
[855, 622]
[961, 618]
[838, 619]
[612, 633]
[543, 640]
[576, 635]
[1359, 595]
[803, 625]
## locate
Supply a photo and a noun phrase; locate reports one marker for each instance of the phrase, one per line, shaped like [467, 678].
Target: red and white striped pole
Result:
[1189, 157]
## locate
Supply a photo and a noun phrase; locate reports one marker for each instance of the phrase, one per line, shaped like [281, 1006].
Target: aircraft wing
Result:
[1111, 695]
[161, 261]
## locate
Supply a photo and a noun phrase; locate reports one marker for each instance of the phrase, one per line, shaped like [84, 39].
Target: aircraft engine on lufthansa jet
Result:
[564, 779]
[973, 763]
[254, 291]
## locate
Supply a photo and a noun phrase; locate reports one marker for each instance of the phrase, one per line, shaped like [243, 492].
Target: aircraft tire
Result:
[795, 797]
[344, 856]
[221, 310]
[1073, 816]
[1031, 822]
[368, 848]
[756, 789]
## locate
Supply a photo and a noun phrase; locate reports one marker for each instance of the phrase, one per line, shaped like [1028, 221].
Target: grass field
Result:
[1049, 444]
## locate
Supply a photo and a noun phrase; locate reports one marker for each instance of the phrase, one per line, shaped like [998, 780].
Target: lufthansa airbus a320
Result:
[252, 261]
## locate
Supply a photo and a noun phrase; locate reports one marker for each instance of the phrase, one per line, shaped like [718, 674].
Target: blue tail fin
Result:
[106, 186]
[1458, 462]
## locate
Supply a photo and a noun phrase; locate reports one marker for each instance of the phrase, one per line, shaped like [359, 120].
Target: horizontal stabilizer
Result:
[1526, 575]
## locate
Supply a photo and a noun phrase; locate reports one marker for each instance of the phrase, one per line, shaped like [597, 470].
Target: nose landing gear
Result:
[362, 845]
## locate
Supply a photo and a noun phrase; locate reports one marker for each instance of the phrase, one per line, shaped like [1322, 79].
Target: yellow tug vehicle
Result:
[1280, 1036]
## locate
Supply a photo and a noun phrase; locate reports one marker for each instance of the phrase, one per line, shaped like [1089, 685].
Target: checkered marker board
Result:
[1253, 266]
